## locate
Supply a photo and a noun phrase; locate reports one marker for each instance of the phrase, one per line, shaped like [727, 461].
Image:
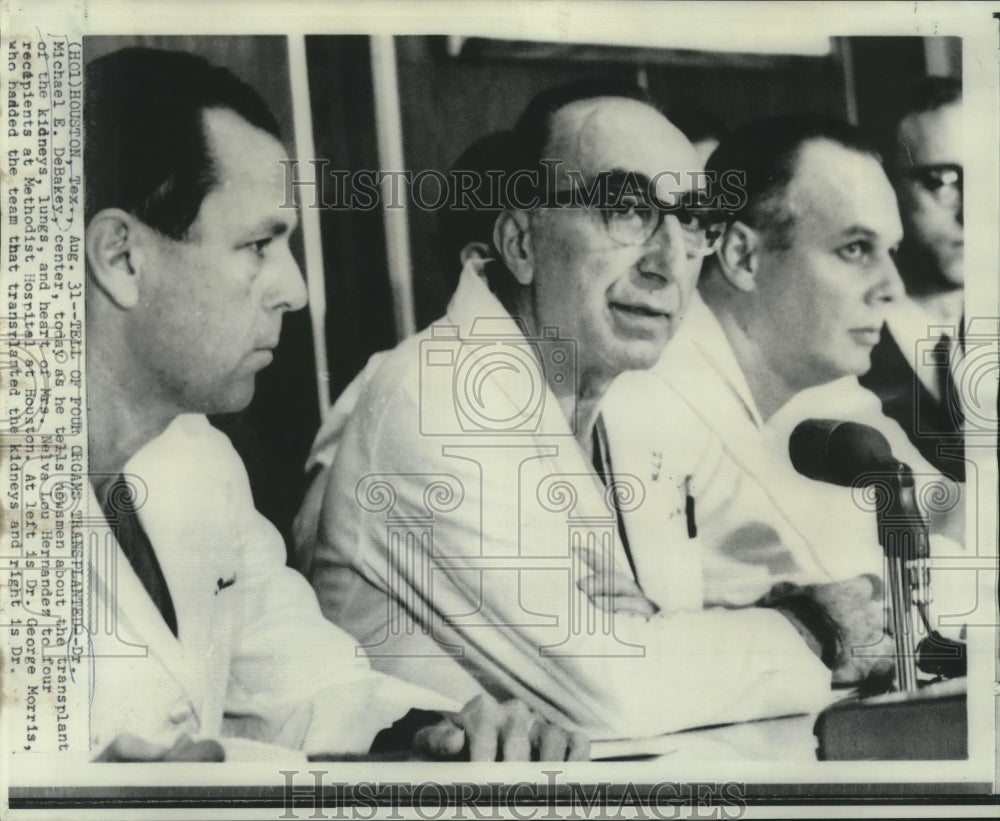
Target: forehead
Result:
[931, 137]
[609, 133]
[249, 184]
[835, 189]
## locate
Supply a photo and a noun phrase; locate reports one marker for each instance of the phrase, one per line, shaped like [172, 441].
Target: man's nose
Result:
[890, 287]
[288, 288]
[664, 252]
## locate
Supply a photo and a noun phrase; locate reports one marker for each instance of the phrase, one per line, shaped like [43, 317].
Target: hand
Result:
[613, 591]
[129, 747]
[500, 732]
[851, 624]
[857, 607]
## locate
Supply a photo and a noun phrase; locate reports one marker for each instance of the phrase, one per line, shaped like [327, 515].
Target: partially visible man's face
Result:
[620, 303]
[212, 304]
[928, 155]
[821, 297]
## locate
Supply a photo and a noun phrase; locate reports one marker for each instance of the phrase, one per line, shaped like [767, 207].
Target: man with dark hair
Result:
[189, 276]
[475, 513]
[793, 298]
[921, 343]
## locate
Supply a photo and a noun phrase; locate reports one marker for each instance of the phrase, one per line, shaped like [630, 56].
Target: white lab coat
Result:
[254, 659]
[453, 553]
[758, 520]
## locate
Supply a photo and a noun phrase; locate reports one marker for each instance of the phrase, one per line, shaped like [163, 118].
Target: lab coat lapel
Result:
[184, 516]
[667, 560]
[700, 366]
[127, 614]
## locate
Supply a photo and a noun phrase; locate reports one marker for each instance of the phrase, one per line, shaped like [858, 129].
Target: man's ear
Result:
[110, 243]
[738, 255]
[512, 239]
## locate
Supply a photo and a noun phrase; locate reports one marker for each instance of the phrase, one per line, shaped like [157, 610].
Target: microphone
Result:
[830, 450]
[838, 452]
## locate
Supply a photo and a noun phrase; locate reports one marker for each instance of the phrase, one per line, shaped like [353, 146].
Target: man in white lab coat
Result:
[474, 519]
[788, 311]
[205, 645]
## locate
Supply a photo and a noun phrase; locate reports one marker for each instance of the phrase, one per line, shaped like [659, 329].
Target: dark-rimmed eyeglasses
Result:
[632, 218]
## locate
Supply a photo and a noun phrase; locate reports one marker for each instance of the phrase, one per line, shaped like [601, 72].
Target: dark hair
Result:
[926, 94]
[145, 149]
[697, 124]
[766, 151]
[930, 94]
[463, 222]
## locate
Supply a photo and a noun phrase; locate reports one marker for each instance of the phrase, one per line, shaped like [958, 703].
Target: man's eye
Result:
[629, 208]
[258, 245]
[626, 203]
[938, 177]
[855, 251]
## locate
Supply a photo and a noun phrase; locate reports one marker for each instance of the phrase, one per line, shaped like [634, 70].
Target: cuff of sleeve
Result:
[811, 617]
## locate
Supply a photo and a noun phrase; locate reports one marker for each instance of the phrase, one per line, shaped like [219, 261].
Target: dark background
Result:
[448, 100]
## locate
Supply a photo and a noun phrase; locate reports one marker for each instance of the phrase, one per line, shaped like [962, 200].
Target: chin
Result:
[954, 273]
[236, 399]
[856, 369]
[641, 360]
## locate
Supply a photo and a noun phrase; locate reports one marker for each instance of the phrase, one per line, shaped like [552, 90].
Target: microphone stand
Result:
[902, 532]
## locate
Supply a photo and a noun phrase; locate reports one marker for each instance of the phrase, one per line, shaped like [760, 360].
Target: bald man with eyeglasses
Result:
[476, 534]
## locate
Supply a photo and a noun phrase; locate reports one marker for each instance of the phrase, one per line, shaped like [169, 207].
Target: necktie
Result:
[117, 503]
[601, 459]
[951, 407]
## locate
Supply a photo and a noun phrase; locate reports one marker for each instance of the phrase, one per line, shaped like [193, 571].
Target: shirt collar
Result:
[701, 330]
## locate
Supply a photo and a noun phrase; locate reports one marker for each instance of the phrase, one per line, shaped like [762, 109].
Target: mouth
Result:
[640, 311]
[866, 336]
[263, 355]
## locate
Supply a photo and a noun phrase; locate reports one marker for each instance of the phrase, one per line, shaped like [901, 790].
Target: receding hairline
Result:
[910, 119]
[592, 107]
[775, 202]
[574, 133]
[211, 124]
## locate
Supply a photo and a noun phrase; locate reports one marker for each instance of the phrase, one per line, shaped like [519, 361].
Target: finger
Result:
[628, 605]
[132, 748]
[441, 740]
[878, 588]
[606, 603]
[516, 730]
[579, 747]
[608, 584]
[481, 719]
[552, 742]
[185, 749]
[590, 558]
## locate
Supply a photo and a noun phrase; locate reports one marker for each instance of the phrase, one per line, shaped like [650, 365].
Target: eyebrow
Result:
[619, 176]
[623, 174]
[855, 230]
[867, 233]
[273, 227]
